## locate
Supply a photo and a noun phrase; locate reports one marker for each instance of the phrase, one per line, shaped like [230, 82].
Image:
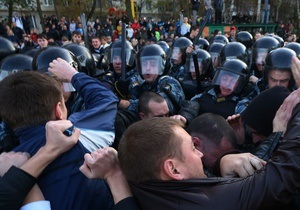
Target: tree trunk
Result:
[258, 11]
[128, 10]
[38, 7]
[91, 13]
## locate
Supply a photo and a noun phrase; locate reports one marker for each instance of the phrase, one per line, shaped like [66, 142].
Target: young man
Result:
[30, 99]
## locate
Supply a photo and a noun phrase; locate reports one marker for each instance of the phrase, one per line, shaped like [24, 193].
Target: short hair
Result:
[76, 33]
[145, 98]
[194, 28]
[212, 127]
[42, 36]
[28, 98]
[145, 145]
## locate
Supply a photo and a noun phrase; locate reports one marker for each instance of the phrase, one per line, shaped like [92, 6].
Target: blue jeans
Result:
[265, 13]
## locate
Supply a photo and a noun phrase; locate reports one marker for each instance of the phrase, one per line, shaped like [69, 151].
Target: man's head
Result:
[151, 105]
[96, 42]
[42, 40]
[76, 37]
[213, 136]
[31, 98]
[278, 68]
[159, 149]
[232, 31]
[151, 60]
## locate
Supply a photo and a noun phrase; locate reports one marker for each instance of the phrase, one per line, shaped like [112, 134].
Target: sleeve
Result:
[38, 205]
[14, 187]
[97, 121]
[129, 203]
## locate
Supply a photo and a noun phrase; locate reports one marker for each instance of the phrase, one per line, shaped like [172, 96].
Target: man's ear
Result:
[142, 115]
[170, 171]
[198, 143]
[58, 111]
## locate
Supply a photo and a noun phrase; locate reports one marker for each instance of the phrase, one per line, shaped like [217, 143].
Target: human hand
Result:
[101, 164]
[62, 70]
[189, 49]
[8, 159]
[179, 117]
[240, 165]
[123, 104]
[235, 121]
[57, 142]
[296, 70]
[253, 79]
[284, 112]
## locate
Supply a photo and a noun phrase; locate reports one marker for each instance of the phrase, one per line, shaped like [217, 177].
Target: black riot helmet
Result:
[221, 39]
[31, 52]
[280, 59]
[164, 45]
[204, 63]
[232, 74]
[14, 63]
[261, 48]
[214, 51]
[178, 52]
[245, 38]
[294, 46]
[202, 44]
[153, 55]
[84, 56]
[278, 38]
[114, 52]
[6, 48]
[45, 56]
[234, 50]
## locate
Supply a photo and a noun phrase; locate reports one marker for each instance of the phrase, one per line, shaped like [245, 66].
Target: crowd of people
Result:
[170, 122]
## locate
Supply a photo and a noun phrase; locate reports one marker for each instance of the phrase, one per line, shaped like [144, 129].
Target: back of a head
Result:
[28, 98]
[261, 111]
[212, 127]
[145, 98]
[145, 145]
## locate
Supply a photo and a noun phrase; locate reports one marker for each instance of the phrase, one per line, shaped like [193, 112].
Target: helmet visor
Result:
[151, 65]
[261, 56]
[191, 66]
[215, 59]
[176, 53]
[4, 73]
[116, 55]
[227, 80]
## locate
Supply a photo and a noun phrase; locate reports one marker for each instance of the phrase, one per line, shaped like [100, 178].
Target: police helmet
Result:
[151, 55]
[179, 47]
[115, 49]
[294, 46]
[262, 47]
[7, 48]
[245, 38]
[164, 45]
[278, 38]
[202, 44]
[279, 59]
[234, 50]
[214, 51]
[84, 56]
[14, 63]
[204, 63]
[221, 39]
[31, 52]
[232, 74]
[45, 56]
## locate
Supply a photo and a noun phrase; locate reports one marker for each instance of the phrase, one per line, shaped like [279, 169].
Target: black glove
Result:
[122, 88]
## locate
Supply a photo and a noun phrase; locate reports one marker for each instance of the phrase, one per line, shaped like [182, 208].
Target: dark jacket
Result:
[61, 182]
[270, 188]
